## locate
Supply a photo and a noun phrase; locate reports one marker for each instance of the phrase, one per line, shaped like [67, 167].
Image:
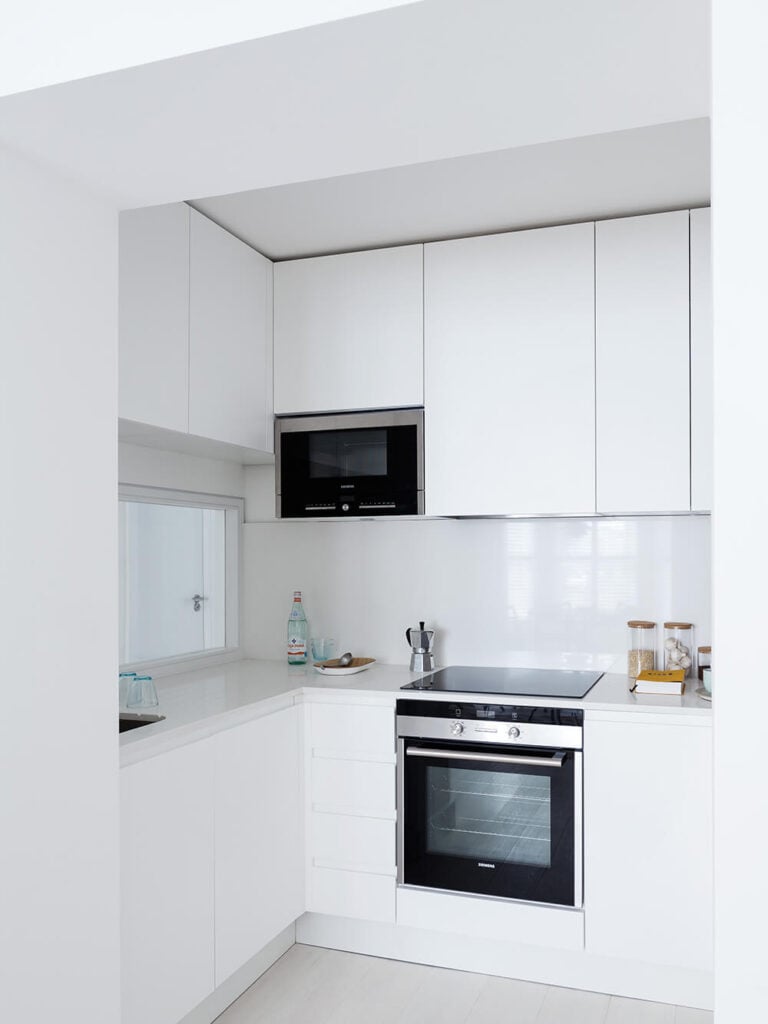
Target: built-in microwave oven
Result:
[350, 464]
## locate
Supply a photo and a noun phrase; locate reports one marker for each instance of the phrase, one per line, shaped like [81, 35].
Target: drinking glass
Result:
[142, 693]
[323, 648]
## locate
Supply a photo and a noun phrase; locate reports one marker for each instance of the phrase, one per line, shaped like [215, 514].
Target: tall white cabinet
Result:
[642, 364]
[510, 373]
[349, 331]
[195, 329]
[702, 371]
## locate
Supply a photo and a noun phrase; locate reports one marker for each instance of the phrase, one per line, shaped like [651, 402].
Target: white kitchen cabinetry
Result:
[509, 373]
[259, 836]
[154, 316]
[195, 332]
[230, 338]
[702, 373]
[349, 331]
[351, 811]
[648, 838]
[643, 369]
[167, 844]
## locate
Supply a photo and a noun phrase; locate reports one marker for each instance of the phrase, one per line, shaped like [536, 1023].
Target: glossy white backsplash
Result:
[544, 592]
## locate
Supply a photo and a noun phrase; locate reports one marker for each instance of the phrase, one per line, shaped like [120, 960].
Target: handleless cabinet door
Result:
[259, 836]
[167, 850]
[349, 331]
[230, 338]
[509, 373]
[648, 838]
[643, 367]
[702, 374]
[154, 316]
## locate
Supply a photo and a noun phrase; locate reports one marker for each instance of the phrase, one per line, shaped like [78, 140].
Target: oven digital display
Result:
[485, 712]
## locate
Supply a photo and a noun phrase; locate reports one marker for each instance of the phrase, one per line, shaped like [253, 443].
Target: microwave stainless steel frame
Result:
[350, 464]
[490, 800]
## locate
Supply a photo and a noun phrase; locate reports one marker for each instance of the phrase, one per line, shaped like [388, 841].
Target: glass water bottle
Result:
[298, 632]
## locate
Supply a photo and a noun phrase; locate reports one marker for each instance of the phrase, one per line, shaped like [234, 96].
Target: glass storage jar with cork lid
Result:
[678, 646]
[641, 656]
[703, 661]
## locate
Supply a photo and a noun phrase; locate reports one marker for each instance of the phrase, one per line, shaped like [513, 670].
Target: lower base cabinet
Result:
[228, 840]
[648, 838]
[259, 836]
[167, 845]
[212, 862]
[350, 759]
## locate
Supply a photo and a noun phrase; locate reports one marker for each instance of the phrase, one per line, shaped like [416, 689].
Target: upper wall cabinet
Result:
[195, 328]
[643, 368]
[154, 316]
[510, 392]
[701, 361]
[230, 338]
[349, 331]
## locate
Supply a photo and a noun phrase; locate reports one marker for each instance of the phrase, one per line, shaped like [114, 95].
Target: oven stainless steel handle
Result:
[555, 761]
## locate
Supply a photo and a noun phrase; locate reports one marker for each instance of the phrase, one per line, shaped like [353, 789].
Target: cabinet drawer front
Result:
[366, 789]
[351, 894]
[345, 843]
[355, 731]
[500, 920]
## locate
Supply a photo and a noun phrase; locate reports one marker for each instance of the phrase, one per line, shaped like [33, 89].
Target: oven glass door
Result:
[368, 470]
[496, 821]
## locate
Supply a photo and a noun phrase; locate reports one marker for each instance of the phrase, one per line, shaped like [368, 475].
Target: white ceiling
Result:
[417, 83]
[646, 169]
[47, 41]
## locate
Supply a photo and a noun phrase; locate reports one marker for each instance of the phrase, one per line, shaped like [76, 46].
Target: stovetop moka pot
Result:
[421, 641]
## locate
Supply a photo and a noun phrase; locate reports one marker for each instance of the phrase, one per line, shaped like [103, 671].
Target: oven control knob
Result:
[457, 728]
[345, 508]
[514, 732]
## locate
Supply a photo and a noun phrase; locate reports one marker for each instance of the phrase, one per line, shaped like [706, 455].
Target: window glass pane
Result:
[172, 580]
[498, 817]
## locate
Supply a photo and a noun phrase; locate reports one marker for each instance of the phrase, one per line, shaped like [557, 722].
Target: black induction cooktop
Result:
[514, 682]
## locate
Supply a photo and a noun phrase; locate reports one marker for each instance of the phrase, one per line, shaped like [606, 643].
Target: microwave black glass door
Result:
[347, 454]
[490, 828]
[355, 471]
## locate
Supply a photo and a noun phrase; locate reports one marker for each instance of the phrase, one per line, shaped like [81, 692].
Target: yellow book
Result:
[659, 681]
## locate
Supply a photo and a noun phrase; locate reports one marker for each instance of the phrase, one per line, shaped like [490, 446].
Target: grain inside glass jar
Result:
[641, 656]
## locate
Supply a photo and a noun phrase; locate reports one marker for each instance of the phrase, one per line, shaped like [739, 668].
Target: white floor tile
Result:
[636, 1011]
[571, 1006]
[687, 1015]
[503, 1001]
[443, 997]
[310, 985]
[382, 994]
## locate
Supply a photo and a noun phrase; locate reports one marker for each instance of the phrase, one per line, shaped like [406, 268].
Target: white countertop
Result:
[200, 703]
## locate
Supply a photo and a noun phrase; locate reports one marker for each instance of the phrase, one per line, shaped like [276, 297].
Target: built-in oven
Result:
[350, 464]
[490, 800]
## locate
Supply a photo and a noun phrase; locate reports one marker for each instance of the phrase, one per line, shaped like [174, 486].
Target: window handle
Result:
[197, 599]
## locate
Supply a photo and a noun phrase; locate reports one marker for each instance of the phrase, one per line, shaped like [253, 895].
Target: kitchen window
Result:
[179, 576]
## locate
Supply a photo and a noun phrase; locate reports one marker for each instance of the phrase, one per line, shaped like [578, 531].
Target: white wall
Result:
[740, 227]
[549, 592]
[154, 467]
[58, 601]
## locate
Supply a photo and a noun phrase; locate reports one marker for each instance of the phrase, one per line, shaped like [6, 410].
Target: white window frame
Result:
[234, 517]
